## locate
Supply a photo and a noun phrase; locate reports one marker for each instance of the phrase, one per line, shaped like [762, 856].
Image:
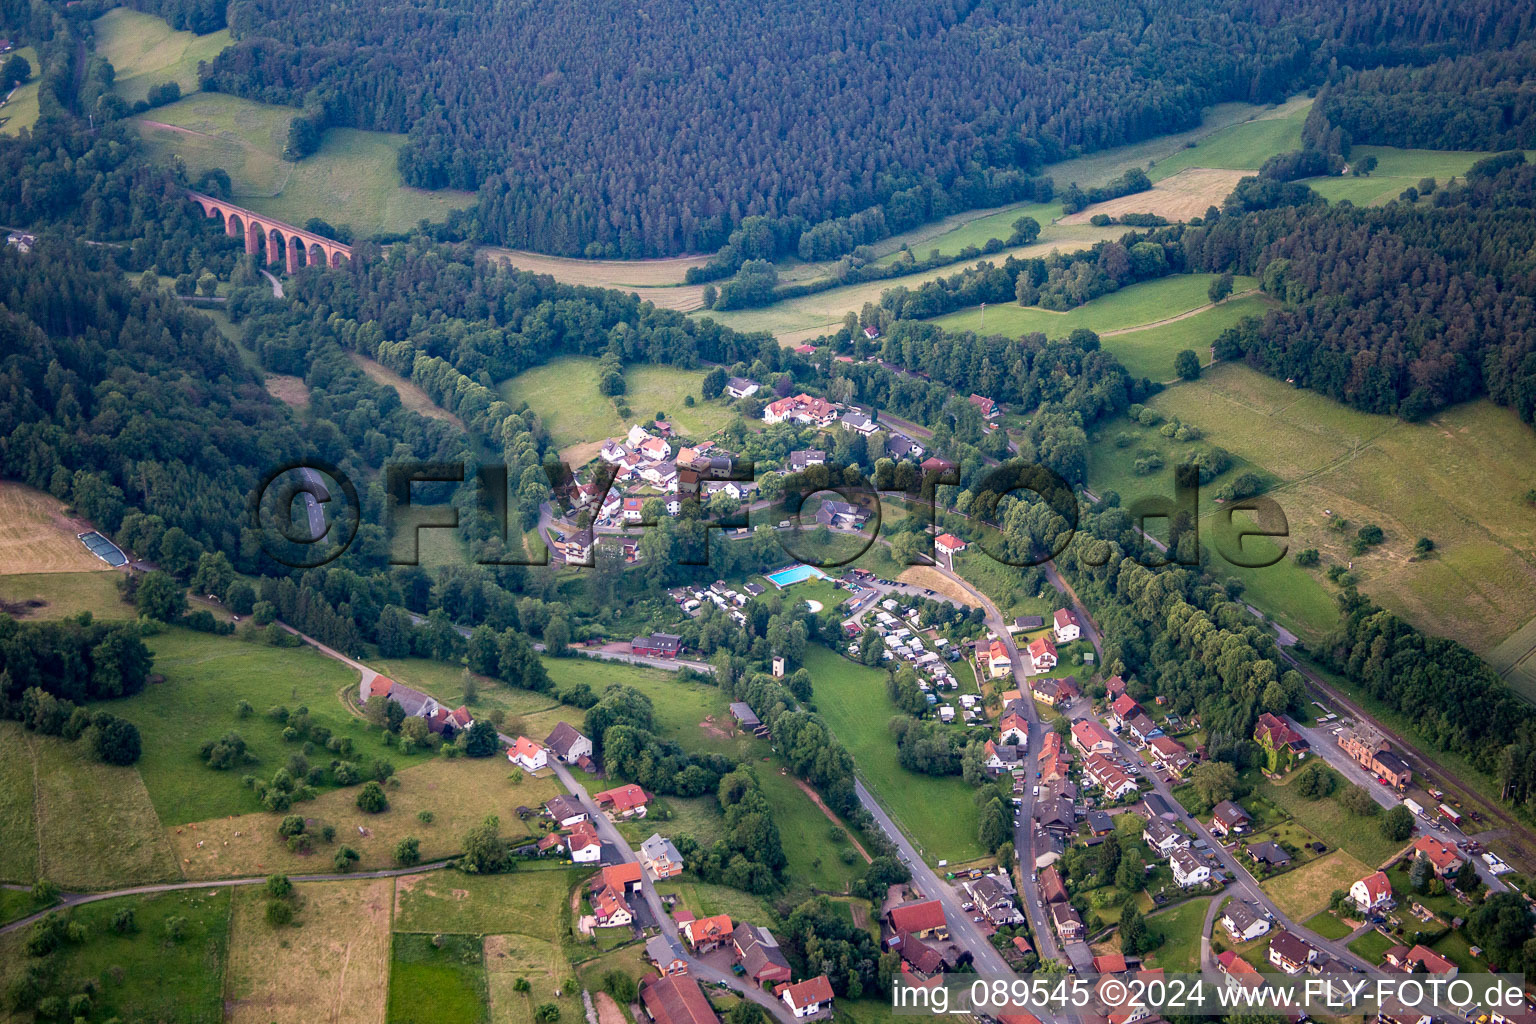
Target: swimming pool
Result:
[794, 574]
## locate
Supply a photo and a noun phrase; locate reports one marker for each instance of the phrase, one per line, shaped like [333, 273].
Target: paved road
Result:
[75, 899]
[277, 286]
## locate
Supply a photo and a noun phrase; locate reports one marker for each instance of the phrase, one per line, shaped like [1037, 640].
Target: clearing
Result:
[331, 965]
[1472, 467]
[1304, 891]
[290, 390]
[509, 958]
[1329, 821]
[624, 275]
[59, 595]
[1181, 929]
[352, 180]
[930, 578]
[411, 396]
[1396, 169]
[437, 979]
[145, 52]
[1178, 197]
[526, 902]
[37, 534]
[19, 110]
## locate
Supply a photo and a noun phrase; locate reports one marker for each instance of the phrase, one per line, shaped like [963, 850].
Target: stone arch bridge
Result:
[283, 244]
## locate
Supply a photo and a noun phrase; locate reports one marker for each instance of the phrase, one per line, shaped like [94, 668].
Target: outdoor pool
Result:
[794, 574]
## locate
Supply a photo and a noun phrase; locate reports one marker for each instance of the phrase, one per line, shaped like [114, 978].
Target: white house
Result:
[1371, 892]
[1188, 870]
[808, 997]
[1042, 654]
[528, 755]
[741, 387]
[568, 745]
[1067, 626]
[1163, 837]
[1242, 922]
[585, 847]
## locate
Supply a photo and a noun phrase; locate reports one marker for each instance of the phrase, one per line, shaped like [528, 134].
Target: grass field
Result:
[459, 793]
[143, 975]
[1515, 660]
[1372, 946]
[1181, 929]
[1330, 822]
[525, 902]
[1473, 464]
[205, 678]
[539, 961]
[352, 180]
[60, 595]
[20, 111]
[1139, 305]
[437, 980]
[1149, 351]
[1181, 196]
[411, 396]
[564, 394]
[1396, 169]
[1328, 926]
[938, 814]
[1304, 891]
[146, 52]
[60, 825]
[1002, 583]
[620, 274]
[37, 535]
[331, 965]
[1241, 147]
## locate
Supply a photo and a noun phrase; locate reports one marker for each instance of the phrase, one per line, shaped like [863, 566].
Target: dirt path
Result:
[177, 128]
[805, 787]
[1174, 319]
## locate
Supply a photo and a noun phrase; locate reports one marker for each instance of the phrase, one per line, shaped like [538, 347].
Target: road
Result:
[75, 899]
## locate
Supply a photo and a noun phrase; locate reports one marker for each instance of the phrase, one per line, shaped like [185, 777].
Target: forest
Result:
[593, 131]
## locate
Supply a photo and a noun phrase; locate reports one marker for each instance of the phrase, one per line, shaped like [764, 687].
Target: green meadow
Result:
[20, 110]
[145, 52]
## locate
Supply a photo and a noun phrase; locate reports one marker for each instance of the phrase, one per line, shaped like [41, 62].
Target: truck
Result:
[1415, 807]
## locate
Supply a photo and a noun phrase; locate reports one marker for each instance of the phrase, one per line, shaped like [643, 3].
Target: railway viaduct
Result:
[285, 245]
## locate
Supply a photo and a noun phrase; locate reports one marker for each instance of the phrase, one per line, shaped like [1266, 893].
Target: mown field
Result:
[565, 395]
[1149, 351]
[59, 595]
[939, 814]
[1243, 146]
[1304, 891]
[1470, 468]
[1181, 929]
[37, 535]
[20, 110]
[1396, 169]
[145, 52]
[352, 180]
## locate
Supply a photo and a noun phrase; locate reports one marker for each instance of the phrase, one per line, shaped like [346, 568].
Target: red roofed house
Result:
[1108, 775]
[1114, 687]
[708, 933]
[1282, 744]
[1090, 737]
[627, 801]
[1445, 859]
[923, 919]
[808, 997]
[585, 847]
[1420, 960]
[998, 662]
[1170, 753]
[985, 406]
[1067, 626]
[803, 409]
[1124, 708]
[528, 755]
[1013, 729]
[379, 687]
[676, 999]
[949, 544]
[1042, 654]
[623, 877]
[1371, 892]
[1109, 963]
[609, 908]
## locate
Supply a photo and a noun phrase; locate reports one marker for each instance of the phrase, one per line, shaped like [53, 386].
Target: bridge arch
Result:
[284, 245]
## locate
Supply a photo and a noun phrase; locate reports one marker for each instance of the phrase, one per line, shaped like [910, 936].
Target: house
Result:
[1108, 776]
[1163, 837]
[1445, 859]
[1420, 960]
[1188, 870]
[1283, 746]
[1013, 729]
[924, 918]
[1227, 818]
[1123, 708]
[632, 510]
[1109, 963]
[806, 998]
[609, 908]
[657, 645]
[1242, 922]
[612, 452]
[1170, 753]
[859, 423]
[759, 954]
[1370, 750]
[1042, 654]
[1090, 737]
[741, 387]
[934, 464]
[661, 857]
[1373, 892]
[1290, 952]
[627, 801]
[949, 544]
[871, 332]
[1240, 973]
[528, 755]
[1067, 628]
[565, 810]
[666, 954]
[708, 933]
[585, 846]
[993, 897]
[553, 842]
[840, 515]
[1055, 814]
[676, 999]
[625, 877]
[925, 959]
[1068, 925]
[21, 241]
[1141, 729]
[637, 435]
[1155, 806]
[985, 406]
[1005, 757]
[1025, 623]
[998, 661]
[900, 446]
[1100, 823]
[1052, 890]
[1056, 692]
[656, 449]
[1269, 854]
[575, 549]
[567, 744]
[803, 409]
[800, 461]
